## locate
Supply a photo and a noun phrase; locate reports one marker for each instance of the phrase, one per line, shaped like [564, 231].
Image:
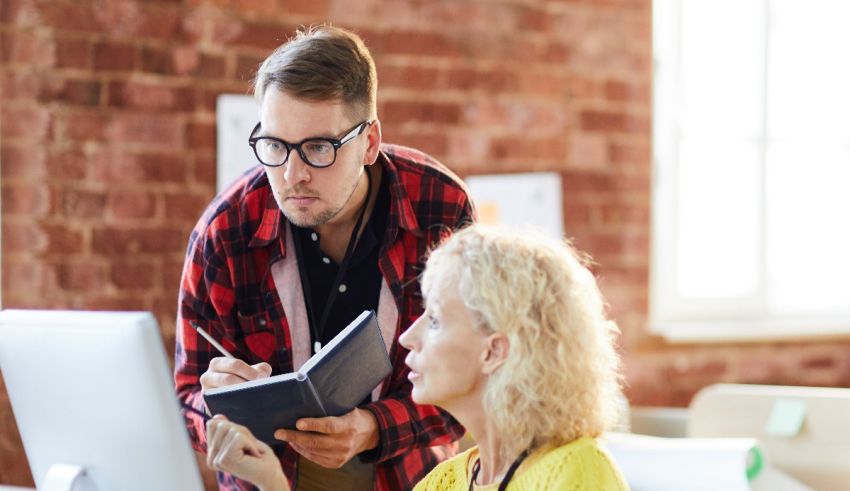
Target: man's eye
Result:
[272, 146]
[318, 148]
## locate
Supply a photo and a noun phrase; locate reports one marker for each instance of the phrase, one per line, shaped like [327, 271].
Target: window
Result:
[751, 212]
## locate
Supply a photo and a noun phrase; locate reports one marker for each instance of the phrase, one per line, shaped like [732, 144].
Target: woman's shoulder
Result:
[580, 464]
[448, 475]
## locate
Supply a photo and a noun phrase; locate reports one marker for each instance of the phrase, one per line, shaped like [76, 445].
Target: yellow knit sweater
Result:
[577, 466]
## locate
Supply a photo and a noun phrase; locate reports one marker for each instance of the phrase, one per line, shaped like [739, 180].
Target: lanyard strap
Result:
[508, 476]
[319, 329]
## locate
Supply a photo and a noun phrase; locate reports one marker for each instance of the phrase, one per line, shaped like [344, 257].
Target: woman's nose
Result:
[409, 338]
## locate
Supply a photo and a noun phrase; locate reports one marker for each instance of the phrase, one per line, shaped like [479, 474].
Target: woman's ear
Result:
[496, 352]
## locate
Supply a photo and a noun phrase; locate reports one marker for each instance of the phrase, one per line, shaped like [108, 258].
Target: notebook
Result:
[331, 383]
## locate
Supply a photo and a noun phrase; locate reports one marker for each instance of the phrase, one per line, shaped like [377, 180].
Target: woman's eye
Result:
[432, 322]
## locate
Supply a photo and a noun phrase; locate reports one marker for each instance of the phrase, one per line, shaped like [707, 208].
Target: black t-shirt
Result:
[359, 288]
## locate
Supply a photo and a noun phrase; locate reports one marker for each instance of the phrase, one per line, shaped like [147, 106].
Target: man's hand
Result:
[228, 371]
[333, 441]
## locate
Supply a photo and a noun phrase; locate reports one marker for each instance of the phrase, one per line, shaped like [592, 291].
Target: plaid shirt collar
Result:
[401, 212]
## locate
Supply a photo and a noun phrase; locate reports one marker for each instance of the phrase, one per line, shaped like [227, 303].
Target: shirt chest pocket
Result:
[257, 337]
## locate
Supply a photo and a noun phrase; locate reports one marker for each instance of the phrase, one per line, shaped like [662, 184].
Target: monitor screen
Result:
[94, 390]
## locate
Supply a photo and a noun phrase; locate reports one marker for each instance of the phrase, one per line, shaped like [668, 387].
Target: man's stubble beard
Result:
[324, 216]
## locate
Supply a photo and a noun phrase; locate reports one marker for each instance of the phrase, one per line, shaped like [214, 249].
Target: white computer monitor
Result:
[92, 391]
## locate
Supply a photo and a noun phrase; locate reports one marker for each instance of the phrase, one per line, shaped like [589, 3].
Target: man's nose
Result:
[296, 170]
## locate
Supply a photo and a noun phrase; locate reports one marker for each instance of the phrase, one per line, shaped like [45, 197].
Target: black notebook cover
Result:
[331, 383]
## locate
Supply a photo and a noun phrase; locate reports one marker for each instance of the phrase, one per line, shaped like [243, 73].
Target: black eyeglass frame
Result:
[349, 135]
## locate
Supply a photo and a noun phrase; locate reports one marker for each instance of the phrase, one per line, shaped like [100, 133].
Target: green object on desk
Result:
[786, 418]
[755, 463]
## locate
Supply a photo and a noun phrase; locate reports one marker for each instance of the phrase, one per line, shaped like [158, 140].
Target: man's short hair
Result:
[323, 63]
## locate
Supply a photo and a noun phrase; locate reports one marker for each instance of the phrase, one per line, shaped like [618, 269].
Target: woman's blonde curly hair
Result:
[561, 379]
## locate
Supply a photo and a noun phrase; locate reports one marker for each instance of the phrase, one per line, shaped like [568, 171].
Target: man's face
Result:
[308, 196]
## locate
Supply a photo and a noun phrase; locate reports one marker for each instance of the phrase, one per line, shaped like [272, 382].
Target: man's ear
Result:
[496, 352]
[374, 142]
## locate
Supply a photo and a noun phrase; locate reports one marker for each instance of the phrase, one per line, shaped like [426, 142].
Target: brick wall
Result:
[107, 147]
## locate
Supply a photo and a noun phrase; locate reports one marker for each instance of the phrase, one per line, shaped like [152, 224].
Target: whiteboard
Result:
[235, 117]
[528, 199]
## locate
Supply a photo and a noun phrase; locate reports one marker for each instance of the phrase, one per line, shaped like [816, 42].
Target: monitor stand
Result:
[65, 477]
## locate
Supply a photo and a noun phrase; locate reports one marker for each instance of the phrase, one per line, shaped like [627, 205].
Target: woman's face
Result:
[446, 348]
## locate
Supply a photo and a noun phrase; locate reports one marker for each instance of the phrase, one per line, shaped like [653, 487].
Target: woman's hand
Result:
[232, 448]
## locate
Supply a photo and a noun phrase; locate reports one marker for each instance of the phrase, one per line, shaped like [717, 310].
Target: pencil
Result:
[209, 338]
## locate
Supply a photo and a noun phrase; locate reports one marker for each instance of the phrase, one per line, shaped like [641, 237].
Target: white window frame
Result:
[704, 320]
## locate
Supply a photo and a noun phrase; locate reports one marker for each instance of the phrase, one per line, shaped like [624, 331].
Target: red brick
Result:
[31, 49]
[23, 161]
[147, 129]
[22, 278]
[205, 171]
[400, 112]
[185, 207]
[123, 205]
[247, 66]
[98, 301]
[201, 135]
[67, 164]
[73, 53]
[513, 147]
[20, 84]
[160, 22]
[26, 123]
[28, 200]
[589, 151]
[70, 16]
[115, 165]
[140, 240]
[170, 277]
[263, 35]
[23, 238]
[532, 18]
[409, 77]
[64, 238]
[157, 60]
[132, 275]
[637, 153]
[617, 90]
[608, 121]
[211, 66]
[114, 56]
[80, 276]
[225, 29]
[82, 124]
[75, 92]
[149, 96]
[76, 203]
[417, 43]
[317, 9]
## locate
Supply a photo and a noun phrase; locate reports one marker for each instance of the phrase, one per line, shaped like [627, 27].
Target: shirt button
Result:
[314, 236]
[262, 322]
[342, 288]
[326, 260]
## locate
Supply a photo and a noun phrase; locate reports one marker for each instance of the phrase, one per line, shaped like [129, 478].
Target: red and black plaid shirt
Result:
[227, 288]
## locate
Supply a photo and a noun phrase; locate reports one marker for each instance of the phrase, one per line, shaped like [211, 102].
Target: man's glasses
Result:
[315, 152]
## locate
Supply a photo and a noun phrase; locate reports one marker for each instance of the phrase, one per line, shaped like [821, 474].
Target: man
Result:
[332, 223]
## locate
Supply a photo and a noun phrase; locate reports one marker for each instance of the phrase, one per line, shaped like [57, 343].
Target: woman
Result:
[514, 343]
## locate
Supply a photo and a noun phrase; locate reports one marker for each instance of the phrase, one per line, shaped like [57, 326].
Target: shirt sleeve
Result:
[204, 292]
[403, 424]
